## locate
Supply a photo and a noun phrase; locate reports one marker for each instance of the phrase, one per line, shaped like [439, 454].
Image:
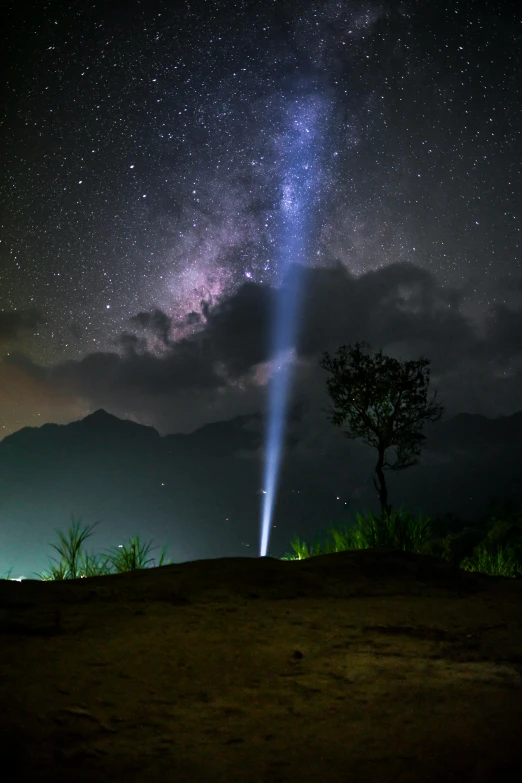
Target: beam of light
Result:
[300, 186]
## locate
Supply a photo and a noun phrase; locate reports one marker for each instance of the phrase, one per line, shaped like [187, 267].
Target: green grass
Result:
[494, 547]
[503, 562]
[74, 563]
[399, 530]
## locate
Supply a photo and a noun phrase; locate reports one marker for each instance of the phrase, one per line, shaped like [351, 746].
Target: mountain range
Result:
[201, 493]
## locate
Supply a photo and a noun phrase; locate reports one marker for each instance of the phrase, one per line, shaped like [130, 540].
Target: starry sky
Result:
[154, 155]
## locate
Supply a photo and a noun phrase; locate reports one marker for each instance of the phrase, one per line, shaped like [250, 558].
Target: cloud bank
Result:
[221, 370]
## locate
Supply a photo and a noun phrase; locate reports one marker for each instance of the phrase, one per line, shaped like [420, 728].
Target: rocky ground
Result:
[354, 667]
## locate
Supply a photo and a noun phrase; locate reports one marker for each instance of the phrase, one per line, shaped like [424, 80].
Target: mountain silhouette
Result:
[200, 492]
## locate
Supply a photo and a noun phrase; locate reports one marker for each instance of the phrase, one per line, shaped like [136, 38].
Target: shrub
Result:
[76, 564]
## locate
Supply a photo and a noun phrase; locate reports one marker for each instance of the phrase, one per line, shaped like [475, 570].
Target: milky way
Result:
[149, 153]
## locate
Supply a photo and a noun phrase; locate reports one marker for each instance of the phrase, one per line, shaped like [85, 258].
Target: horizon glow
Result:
[299, 191]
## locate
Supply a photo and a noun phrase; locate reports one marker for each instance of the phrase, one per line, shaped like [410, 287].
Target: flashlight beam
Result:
[300, 187]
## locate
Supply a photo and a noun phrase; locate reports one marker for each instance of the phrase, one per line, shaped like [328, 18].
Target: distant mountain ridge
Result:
[463, 427]
[471, 429]
[202, 489]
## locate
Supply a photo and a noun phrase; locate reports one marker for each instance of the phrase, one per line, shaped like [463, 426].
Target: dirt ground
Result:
[354, 667]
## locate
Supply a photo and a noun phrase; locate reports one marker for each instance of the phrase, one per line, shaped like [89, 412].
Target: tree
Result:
[384, 402]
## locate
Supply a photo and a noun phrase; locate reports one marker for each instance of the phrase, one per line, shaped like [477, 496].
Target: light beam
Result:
[299, 148]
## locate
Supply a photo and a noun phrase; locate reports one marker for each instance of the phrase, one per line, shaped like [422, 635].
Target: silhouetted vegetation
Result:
[492, 547]
[74, 563]
[384, 402]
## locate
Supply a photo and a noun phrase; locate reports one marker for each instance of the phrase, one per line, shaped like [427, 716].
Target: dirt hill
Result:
[361, 667]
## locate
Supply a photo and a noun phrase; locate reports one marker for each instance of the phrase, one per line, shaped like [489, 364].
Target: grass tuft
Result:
[494, 549]
[76, 564]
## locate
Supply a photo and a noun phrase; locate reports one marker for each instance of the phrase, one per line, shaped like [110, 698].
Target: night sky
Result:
[154, 153]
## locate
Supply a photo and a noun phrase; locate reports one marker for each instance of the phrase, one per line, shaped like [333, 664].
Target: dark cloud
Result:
[212, 374]
[193, 318]
[238, 328]
[185, 365]
[156, 322]
[14, 322]
[504, 332]
[398, 304]
[76, 331]
[131, 343]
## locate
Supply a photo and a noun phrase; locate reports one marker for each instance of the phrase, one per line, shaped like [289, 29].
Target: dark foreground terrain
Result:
[362, 666]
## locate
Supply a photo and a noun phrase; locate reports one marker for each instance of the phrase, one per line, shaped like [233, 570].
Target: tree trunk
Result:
[382, 490]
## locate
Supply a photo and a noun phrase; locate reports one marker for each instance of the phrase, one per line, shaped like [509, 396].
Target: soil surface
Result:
[356, 667]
